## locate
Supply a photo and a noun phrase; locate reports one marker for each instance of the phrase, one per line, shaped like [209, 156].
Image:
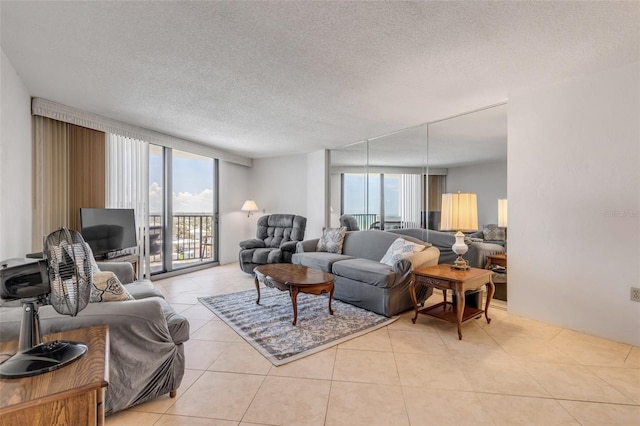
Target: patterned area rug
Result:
[267, 326]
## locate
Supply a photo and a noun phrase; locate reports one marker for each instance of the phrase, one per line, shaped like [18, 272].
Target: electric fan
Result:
[66, 277]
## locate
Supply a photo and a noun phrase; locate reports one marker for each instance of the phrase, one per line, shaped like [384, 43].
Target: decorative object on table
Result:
[249, 206]
[459, 213]
[66, 278]
[267, 326]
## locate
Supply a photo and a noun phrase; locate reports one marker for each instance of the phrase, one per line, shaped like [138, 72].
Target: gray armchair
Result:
[349, 222]
[275, 242]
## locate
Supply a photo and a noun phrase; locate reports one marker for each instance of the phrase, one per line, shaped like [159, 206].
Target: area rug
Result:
[267, 326]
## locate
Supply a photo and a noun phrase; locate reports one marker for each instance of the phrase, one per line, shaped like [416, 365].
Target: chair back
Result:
[349, 222]
[275, 229]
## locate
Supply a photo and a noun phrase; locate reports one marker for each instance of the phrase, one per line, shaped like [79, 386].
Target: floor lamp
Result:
[460, 214]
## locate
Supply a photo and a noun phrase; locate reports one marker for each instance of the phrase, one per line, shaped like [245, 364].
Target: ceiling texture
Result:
[270, 78]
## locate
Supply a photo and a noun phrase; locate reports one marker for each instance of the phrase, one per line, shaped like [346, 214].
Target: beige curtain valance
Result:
[67, 114]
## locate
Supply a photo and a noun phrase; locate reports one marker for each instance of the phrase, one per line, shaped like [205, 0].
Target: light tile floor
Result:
[514, 371]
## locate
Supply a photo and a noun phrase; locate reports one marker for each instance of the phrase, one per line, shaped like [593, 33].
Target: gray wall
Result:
[488, 180]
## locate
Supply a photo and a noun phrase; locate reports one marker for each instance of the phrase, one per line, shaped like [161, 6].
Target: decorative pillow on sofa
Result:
[332, 240]
[108, 288]
[400, 249]
[494, 233]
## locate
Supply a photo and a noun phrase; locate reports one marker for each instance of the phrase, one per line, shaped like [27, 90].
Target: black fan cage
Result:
[70, 274]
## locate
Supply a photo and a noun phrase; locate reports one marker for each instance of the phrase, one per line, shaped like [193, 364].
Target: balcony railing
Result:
[190, 233]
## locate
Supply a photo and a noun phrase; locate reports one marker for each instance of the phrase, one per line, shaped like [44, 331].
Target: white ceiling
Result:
[261, 79]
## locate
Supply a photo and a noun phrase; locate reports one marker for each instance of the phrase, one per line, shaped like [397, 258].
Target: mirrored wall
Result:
[397, 180]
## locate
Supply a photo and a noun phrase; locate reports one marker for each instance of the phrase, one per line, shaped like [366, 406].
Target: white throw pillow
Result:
[400, 249]
[332, 240]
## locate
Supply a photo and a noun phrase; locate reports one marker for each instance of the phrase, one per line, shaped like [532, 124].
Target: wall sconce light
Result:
[249, 206]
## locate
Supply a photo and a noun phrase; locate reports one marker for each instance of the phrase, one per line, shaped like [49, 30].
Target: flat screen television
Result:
[108, 230]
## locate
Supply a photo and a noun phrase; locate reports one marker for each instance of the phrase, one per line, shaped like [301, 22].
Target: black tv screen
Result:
[108, 230]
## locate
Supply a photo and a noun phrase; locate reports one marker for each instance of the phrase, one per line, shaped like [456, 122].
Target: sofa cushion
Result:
[368, 271]
[400, 249]
[332, 240]
[142, 289]
[108, 288]
[261, 255]
[318, 260]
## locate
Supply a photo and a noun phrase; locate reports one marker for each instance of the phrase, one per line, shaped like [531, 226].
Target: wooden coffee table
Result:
[444, 277]
[294, 279]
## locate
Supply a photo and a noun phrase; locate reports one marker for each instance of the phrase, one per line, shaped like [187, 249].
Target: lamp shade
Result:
[502, 212]
[249, 206]
[459, 212]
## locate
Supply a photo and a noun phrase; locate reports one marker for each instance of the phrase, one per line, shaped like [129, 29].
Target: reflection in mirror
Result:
[397, 164]
[471, 150]
[348, 163]
[397, 180]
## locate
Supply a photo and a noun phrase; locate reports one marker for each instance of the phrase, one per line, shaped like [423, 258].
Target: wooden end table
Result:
[444, 277]
[294, 279]
[73, 394]
[496, 259]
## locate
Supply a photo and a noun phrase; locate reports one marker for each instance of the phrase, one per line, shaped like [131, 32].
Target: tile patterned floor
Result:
[514, 371]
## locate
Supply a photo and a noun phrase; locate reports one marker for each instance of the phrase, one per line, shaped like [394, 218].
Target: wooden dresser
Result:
[71, 395]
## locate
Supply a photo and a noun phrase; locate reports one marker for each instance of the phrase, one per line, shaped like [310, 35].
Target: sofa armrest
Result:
[478, 253]
[307, 246]
[424, 258]
[122, 270]
[252, 243]
[289, 246]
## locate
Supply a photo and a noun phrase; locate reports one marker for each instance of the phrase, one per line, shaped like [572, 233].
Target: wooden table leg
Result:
[414, 299]
[331, 297]
[491, 288]
[257, 288]
[294, 302]
[459, 311]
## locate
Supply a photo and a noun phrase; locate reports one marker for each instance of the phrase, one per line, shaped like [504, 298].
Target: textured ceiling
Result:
[260, 79]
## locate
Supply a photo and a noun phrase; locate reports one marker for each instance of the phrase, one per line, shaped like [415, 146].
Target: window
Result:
[182, 194]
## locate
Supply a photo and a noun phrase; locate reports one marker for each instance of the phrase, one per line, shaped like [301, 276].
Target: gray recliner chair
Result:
[275, 242]
[349, 222]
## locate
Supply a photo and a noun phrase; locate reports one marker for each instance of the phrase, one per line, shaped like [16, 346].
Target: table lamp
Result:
[459, 213]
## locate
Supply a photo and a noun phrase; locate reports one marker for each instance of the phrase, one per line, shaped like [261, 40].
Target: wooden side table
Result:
[71, 395]
[133, 259]
[444, 277]
[496, 259]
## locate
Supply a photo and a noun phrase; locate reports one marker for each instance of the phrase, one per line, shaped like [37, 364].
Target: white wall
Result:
[488, 180]
[15, 164]
[317, 192]
[574, 203]
[234, 224]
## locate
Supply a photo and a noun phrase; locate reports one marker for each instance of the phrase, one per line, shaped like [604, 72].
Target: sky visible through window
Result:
[354, 194]
[192, 183]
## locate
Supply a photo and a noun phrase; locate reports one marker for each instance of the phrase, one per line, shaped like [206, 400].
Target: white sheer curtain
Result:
[410, 200]
[127, 186]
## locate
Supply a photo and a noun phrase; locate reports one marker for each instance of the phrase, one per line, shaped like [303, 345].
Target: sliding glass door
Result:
[183, 209]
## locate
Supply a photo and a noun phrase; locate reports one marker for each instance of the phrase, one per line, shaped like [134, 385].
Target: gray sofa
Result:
[275, 242]
[146, 336]
[476, 256]
[360, 277]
